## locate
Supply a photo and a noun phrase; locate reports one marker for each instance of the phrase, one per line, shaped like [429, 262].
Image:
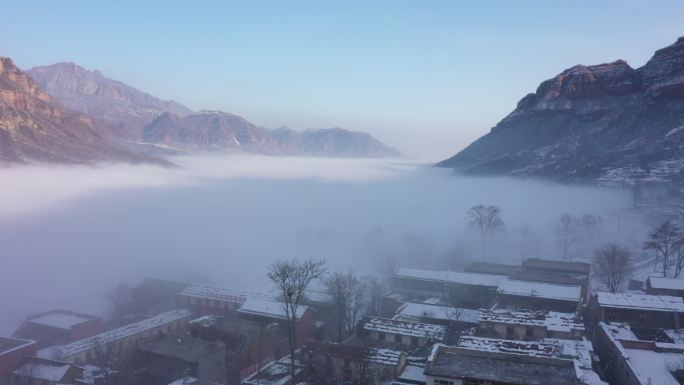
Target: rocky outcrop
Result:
[332, 142]
[220, 131]
[33, 127]
[606, 123]
[125, 109]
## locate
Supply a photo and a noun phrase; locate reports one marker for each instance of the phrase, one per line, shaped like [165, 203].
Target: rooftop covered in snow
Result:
[45, 369]
[270, 309]
[449, 277]
[8, 344]
[551, 320]
[411, 310]
[85, 344]
[388, 357]
[61, 319]
[406, 328]
[220, 294]
[640, 302]
[540, 290]
[459, 363]
[666, 283]
[577, 351]
[579, 268]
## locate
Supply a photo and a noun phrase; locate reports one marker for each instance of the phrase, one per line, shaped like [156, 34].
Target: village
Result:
[537, 322]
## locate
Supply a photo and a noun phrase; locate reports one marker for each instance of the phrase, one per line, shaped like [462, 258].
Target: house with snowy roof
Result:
[205, 299]
[403, 334]
[640, 310]
[539, 296]
[437, 314]
[638, 362]
[258, 341]
[325, 360]
[488, 364]
[36, 370]
[673, 287]
[118, 342]
[261, 310]
[530, 324]
[470, 290]
[12, 353]
[59, 327]
[579, 352]
[171, 356]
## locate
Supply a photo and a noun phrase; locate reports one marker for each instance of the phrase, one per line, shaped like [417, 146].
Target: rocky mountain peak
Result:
[663, 75]
[583, 81]
[33, 127]
[605, 122]
[122, 107]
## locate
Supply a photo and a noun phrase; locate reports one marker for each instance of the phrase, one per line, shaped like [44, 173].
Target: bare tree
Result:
[119, 296]
[566, 231]
[527, 238]
[387, 266]
[27, 370]
[376, 290]
[613, 265]
[591, 229]
[454, 315]
[346, 294]
[487, 220]
[292, 278]
[370, 372]
[454, 258]
[105, 356]
[667, 241]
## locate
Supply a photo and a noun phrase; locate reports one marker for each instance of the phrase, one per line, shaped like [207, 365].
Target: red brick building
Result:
[59, 327]
[12, 353]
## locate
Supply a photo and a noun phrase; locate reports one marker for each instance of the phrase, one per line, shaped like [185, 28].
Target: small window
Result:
[509, 331]
[381, 336]
[472, 381]
[529, 332]
[414, 341]
[443, 382]
[397, 338]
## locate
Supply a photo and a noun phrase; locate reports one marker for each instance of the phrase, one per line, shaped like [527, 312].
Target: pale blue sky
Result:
[425, 76]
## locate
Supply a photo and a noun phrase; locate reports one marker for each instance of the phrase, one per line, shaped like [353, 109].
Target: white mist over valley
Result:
[70, 234]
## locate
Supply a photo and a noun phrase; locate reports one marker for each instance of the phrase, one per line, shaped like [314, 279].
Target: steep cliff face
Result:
[33, 127]
[215, 130]
[125, 109]
[606, 123]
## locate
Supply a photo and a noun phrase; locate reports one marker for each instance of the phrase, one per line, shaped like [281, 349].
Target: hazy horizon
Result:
[427, 80]
[224, 219]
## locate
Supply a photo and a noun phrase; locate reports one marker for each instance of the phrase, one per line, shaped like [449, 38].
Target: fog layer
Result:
[68, 234]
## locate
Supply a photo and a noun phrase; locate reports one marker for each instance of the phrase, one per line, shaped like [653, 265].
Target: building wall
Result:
[673, 293]
[206, 306]
[640, 318]
[11, 360]
[86, 329]
[617, 370]
[119, 348]
[467, 296]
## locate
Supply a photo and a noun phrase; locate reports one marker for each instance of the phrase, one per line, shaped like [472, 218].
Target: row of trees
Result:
[667, 241]
[569, 230]
[614, 264]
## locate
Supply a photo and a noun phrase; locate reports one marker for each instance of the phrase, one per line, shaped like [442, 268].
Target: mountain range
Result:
[215, 130]
[123, 107]
[34, 127]
[607, 124]
[65, 113]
